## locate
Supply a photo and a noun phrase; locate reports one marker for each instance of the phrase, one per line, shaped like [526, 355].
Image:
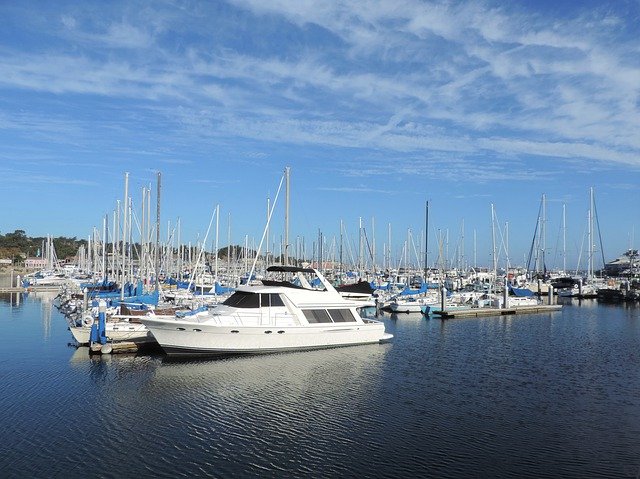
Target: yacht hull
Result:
[181, 338]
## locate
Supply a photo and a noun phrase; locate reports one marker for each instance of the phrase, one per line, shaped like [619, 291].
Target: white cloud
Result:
[409, 76]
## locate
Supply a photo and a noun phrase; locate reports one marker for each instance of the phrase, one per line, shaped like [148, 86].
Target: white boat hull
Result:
[406, 308]
[187, 338]
[119, 331]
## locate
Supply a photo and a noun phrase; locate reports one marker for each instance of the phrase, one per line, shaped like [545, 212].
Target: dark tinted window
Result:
[240, 299]
[317, 316]
[341, 315]
[271, 299]
[276, 300]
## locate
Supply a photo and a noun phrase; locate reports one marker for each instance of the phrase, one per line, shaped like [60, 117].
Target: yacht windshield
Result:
[242, 299]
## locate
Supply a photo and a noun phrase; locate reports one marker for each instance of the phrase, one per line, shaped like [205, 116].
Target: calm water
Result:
[552, 395]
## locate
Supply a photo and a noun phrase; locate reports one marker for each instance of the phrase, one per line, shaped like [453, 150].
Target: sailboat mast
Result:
[426, 241]
[543, 231]
[125, 207]
[104, 247]
[217, 245]
[493, 238]
[564, 239]
[155, 254]
[590, 235]
[287, 172]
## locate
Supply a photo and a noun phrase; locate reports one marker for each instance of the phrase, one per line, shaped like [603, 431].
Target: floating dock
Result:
[119, 347]
[30, 289]
[480, 312]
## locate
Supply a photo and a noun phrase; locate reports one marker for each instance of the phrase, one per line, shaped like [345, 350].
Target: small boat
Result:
[272, 317]
[121, 324]
[411, 304]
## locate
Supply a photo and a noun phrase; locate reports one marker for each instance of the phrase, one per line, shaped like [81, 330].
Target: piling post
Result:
[443, 296]
[551, 294]
[580, 288]
[102, 318]
[505, 295]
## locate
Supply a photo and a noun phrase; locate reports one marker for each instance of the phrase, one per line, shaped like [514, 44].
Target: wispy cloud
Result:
[12, 177]
[407, 77]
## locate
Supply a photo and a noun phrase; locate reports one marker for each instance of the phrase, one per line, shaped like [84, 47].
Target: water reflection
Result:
[14, 300]
[515, 396]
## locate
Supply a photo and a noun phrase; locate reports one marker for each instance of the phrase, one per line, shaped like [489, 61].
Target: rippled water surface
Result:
[550, 395]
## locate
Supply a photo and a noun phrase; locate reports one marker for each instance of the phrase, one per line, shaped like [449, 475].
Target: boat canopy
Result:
[521, 292]
[289, 269]
[408, 291]
[363, 287]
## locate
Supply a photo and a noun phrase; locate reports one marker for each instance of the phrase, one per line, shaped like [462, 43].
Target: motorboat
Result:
[412, 304]
[277, 315]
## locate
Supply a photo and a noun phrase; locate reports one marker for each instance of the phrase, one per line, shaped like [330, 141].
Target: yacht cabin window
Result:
[270, 300]
[341, 315]
[242, 299]
[328, 315]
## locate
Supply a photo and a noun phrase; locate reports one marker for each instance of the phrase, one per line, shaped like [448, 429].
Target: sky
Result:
[376, 106]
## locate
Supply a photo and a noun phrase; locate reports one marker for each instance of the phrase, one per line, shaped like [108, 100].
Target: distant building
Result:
[5, 261]
[35, 263]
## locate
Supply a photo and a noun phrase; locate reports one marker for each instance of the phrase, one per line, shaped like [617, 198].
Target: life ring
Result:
[87, 320]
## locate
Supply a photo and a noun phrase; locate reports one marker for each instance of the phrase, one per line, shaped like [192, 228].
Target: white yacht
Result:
[274, 316]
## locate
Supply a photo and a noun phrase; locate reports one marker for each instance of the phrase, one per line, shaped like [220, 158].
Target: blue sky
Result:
[376, 106]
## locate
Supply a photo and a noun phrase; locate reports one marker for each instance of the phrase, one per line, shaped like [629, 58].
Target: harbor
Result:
[442, 399]
[308, 240]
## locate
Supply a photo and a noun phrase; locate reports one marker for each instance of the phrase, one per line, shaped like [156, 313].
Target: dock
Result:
[124, 347]
[30, 289]
[481, 312]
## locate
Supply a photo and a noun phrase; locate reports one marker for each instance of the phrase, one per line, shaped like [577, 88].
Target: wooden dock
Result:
[481, 312]
[120, 347]
[30, 289]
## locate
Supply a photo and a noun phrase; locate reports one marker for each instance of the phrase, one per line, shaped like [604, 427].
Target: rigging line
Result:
[264, 232]
[595, 210]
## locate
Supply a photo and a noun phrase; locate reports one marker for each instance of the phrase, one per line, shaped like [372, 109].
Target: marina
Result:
[542, 395]
[378, 240]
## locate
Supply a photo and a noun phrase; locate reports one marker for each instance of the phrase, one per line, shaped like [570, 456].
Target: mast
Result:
[389, 266]
[340, 269]
[143, 243]
[543, 232]
[373, 244]
[215, 279]
[104, 247]
[287, 172]
[493, 239]
[179, 265]
[564, 239]
[125, 208]
[155, 255]
[590, 234]
[228, 244]
[360, 249]
[148, 234]
[426, 241]
[266, 250]
[116, 259]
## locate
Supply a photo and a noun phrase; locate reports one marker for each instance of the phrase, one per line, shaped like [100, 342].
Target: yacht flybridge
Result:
[275, 316]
